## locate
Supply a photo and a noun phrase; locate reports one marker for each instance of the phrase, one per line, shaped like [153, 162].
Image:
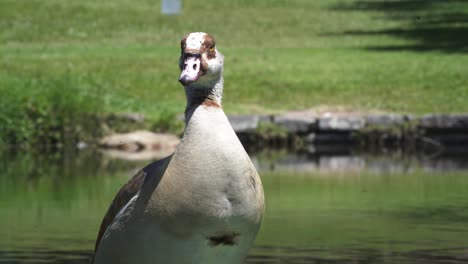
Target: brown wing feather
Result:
[130, 189]
[124, 195]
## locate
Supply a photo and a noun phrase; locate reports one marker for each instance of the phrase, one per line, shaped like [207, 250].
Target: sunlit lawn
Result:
[121, 55]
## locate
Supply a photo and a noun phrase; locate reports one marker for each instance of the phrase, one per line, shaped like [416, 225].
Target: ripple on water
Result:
[266, 254]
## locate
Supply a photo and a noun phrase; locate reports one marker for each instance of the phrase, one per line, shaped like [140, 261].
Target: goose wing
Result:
[128, 191]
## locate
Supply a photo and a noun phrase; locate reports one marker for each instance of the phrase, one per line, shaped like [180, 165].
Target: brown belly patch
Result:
[224, 239]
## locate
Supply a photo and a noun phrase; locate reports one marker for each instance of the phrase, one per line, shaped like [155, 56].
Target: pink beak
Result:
[191, 70]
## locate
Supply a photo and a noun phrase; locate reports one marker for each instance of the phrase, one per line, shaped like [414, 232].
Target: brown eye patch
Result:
[209, 45]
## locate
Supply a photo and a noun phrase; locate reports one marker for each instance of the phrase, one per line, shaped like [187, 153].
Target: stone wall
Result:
[306, 129]
[319, 132]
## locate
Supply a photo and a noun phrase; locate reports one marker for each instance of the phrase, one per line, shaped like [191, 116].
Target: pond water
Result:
[320, 209]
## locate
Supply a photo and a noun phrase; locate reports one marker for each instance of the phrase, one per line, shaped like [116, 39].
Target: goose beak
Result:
[191, 69]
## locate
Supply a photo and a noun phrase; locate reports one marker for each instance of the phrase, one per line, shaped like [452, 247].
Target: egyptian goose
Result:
[202, 204]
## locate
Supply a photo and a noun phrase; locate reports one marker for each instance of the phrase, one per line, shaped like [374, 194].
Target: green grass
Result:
[46, 114]
[399, 56]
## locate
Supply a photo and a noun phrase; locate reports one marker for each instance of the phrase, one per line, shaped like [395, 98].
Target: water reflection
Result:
[43, 256]
[271, 255]
[329, 208]
[376, 162]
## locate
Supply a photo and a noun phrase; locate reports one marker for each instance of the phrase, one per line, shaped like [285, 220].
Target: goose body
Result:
[202, 204]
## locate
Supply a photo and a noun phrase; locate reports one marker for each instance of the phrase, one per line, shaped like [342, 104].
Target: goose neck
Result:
[210, 96]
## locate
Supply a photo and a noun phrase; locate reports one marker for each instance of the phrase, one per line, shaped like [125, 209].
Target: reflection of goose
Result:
[202, 204]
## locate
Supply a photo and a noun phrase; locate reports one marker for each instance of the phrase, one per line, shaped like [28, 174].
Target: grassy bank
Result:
[47, 111]
[76, 59]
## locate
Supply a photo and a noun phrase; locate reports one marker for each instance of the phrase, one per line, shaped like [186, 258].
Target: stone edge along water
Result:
[311, 128]
[307, 129]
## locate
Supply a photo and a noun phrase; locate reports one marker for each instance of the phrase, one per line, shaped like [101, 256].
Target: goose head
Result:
[200, 62]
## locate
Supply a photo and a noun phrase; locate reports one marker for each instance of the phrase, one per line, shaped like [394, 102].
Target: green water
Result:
[51, 208]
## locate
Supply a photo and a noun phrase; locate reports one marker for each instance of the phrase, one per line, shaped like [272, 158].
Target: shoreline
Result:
[323, 132]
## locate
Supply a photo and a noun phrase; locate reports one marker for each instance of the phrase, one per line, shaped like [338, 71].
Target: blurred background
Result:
[73, 72]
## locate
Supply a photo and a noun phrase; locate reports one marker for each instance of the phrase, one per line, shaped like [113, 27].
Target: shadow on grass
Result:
[430, 25]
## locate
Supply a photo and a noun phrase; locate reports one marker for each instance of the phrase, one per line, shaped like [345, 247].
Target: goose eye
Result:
[212, 48]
